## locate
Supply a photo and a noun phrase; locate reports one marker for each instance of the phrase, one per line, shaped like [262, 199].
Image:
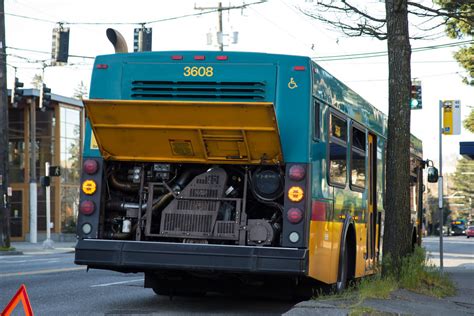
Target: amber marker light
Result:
[295, 194]
[89, 187]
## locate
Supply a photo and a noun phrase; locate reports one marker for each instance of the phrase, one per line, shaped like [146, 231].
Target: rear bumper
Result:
[134, 256]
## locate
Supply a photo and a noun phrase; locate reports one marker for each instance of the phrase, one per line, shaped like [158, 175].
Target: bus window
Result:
[358, 172]
[337, 151]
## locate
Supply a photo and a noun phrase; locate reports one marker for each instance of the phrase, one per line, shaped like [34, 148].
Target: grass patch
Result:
[376, 287]
[417, 275]
[364, 310]
[7, 248]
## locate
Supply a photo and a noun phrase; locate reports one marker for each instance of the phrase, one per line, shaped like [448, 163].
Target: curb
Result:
[11, 253]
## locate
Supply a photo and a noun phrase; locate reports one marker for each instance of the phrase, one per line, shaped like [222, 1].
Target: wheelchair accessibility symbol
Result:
[292, 84]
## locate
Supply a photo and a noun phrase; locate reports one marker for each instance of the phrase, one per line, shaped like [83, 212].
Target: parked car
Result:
[470, 231]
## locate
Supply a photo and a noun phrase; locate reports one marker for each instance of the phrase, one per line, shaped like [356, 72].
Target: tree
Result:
[463, 182]
[397, 241]
[357, 20]
[469, 121]
[37, 81]
[460, 24]
[81, 91]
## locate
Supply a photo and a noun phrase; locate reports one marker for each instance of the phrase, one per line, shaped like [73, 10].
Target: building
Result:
[466, 149]
[59, 130]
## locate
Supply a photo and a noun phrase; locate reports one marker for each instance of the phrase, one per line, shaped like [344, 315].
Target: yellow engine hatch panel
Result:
[185, 131]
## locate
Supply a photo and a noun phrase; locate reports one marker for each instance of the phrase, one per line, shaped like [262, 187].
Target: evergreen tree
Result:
[37, 81]
[460, 24]
[81, 91]
[469, 121]
[463, 183]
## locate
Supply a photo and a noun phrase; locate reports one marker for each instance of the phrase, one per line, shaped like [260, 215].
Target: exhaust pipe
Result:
[117, 40]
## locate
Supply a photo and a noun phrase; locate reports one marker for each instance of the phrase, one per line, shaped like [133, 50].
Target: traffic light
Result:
[45, 97]
[142, 39]
[17, 93]
[60, 45]
[415, 96]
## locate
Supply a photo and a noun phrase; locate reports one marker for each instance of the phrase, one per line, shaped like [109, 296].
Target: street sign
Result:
[54, 171]
[451, 117]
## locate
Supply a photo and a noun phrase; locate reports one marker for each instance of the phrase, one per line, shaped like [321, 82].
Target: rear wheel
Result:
[343, 271]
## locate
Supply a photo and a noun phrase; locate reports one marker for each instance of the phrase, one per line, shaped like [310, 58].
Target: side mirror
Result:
[432, 175]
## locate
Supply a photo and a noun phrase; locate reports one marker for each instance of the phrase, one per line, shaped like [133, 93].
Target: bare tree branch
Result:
[467, 17]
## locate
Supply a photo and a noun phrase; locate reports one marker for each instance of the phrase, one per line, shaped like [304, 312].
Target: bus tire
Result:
[343, 271]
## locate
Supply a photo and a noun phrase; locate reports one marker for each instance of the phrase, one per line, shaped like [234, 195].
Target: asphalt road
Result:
[458, 251]
[56, 286]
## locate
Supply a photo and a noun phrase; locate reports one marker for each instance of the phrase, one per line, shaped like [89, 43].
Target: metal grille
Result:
[156, 90]
[197, 205]
[192, 214]
[197, 223]
[225, 228]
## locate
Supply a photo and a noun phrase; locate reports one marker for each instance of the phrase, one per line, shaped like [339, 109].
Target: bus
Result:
[203, 167]
[458, 227]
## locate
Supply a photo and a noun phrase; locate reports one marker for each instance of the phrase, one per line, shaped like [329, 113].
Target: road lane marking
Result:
[34, 260]
[41, 271]
[115, 283]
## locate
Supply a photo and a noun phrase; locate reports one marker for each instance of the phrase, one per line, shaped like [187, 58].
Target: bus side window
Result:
[358, 153]
[337, 151]
[317, 122]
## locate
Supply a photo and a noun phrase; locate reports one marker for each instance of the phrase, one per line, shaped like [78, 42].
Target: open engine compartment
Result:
[193, 203]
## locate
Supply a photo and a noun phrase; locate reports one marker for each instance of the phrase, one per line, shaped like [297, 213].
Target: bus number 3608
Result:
[198, 71]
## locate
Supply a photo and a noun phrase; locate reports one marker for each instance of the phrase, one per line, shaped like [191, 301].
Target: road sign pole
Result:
[48, 243]
[440, 186]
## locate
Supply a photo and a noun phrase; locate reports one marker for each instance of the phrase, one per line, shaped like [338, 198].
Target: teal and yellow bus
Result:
[210, 166]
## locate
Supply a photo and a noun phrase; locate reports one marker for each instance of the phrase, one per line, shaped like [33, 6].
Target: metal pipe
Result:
[117, 40]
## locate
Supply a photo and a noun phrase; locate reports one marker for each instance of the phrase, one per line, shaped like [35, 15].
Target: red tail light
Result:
[102, 66]
[177, 57]
[87, 207]
[297, 172]
[90, 166]
[221, 57]
[199, 57]
[294, 215]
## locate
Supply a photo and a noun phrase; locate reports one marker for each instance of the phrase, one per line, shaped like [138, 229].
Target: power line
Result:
[44, 52]
[137, 23]
[384, 53]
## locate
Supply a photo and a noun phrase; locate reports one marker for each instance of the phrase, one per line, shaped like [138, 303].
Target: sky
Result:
[276, 26]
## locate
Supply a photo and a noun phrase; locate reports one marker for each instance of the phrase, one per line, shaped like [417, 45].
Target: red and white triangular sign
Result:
[22, 296]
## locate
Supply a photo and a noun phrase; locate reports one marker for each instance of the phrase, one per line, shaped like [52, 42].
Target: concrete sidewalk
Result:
[27, 248]
[401, 302]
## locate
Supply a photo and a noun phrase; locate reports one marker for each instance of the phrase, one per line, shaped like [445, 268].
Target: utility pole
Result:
[4, 205]
[219, 9]
[33, 185]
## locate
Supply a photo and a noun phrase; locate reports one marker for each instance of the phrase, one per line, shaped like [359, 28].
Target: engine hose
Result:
[163, 200]
[122, 186]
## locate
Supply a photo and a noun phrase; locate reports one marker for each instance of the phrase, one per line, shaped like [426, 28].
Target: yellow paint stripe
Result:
[41, 272]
